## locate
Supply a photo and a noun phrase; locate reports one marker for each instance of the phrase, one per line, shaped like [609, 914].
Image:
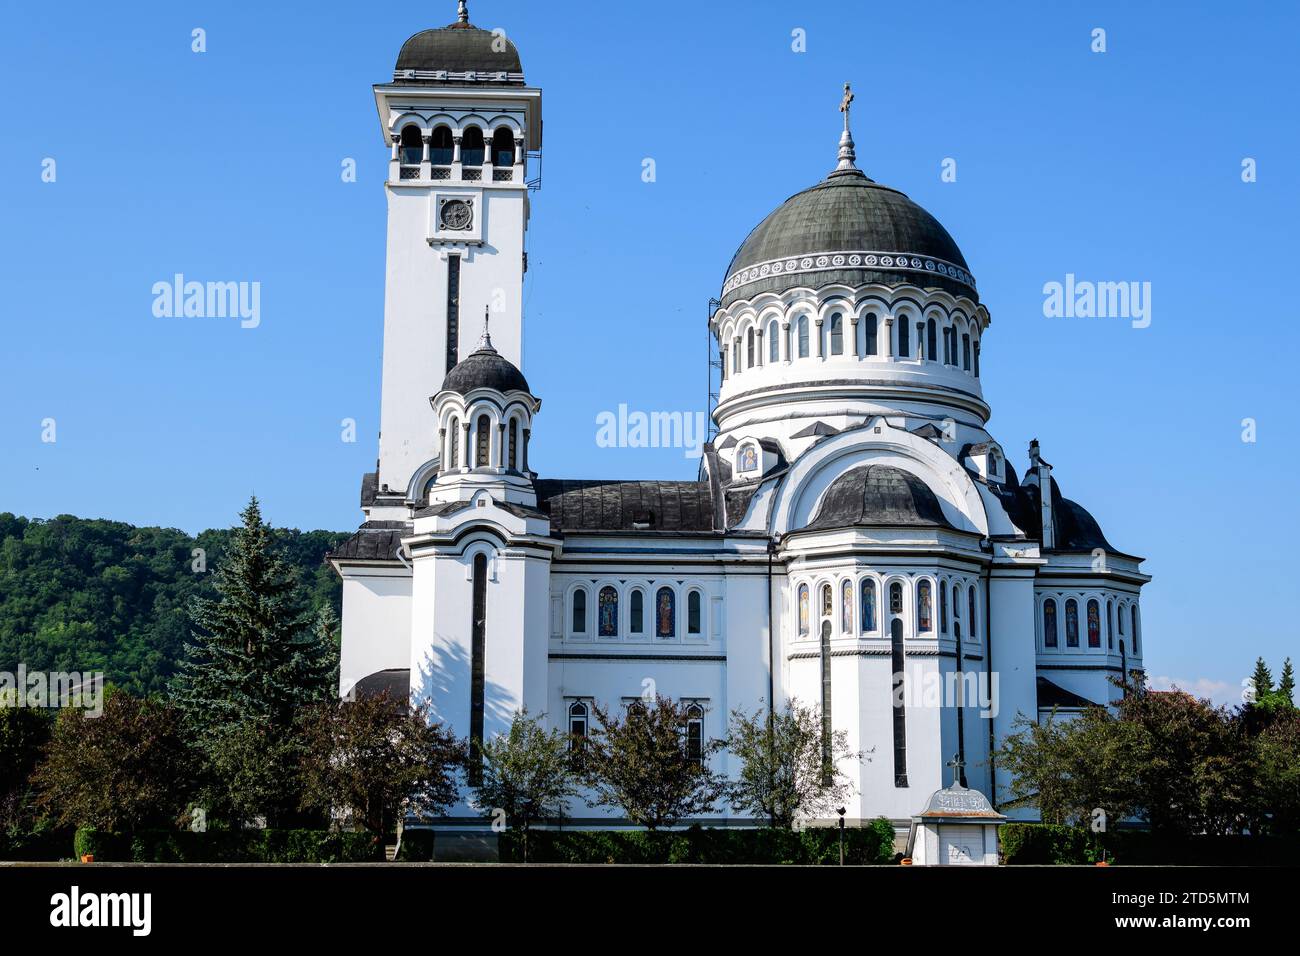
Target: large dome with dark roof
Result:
[460, 48]
[878, 496]
[851, 229]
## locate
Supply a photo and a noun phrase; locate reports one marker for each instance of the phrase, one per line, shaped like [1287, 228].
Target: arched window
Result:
[579, 611]
[903, 345]
[837, 334]
[1134, 610]
[956, 602]
[665, 613]
[974, 621]
[607, 612]
[801, 330]
[503, 147]
[477, 651]
[827, 603]
[871, 333]
[923, 607]
[1094, 624]
[412, 146]
[636, 611]
[749, 348]
[578, 717]
[471, 147]
[1110, 625]
[803, 609]
[947, 345]
[1120, 618]
[896, 598]
[453, 450]
[694, 614]
[773, 342]
[965, 352]
[977, 360]
[514, 443]
[846, 608]
[1072, 623]
[931, 339]
[867, 612]
[695, 733]
[440, 147]
[735, 356]
[482, 442]
[943, 609]
[1049, 623]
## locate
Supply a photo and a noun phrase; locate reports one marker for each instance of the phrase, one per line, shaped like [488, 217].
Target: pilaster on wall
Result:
[1012, 654]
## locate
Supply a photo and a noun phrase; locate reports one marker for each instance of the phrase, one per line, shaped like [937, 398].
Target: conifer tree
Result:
[255, 655]
[1262, 679]
[1286, 684]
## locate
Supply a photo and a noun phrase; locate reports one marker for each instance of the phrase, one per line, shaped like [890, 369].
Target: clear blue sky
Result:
[225, 165]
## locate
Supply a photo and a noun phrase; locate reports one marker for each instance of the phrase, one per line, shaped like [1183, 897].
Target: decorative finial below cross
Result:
[845, 103]
[485, 340]
[462, 12]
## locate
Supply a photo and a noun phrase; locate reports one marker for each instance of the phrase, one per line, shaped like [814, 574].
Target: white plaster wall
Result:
[376, 623]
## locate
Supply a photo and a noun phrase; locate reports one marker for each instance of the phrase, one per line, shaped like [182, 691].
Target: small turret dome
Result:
[484, 368]
[460, 48]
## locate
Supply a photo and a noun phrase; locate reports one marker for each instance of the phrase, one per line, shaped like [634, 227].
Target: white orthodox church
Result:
[856, 538]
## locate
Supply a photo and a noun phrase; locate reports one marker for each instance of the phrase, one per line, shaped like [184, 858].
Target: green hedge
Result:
[42, 843]
[1050, 844]
[873, 844]
[228, 846]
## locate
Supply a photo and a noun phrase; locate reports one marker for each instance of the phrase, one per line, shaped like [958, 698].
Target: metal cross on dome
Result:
[957, 764]
[845, 103]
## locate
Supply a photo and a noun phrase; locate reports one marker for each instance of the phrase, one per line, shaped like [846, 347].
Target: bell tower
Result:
[460, 123]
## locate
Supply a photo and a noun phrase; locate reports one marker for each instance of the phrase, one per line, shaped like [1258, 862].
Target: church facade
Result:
[856, 538]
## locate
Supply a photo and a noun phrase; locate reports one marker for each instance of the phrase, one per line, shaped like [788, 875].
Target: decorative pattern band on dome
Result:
[826, 261]
[463, 76]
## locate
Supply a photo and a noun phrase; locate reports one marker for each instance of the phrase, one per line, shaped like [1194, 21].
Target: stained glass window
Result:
[827, 608]
[1072, 623]
[636, 611]
[867, 614]
[803, 609]
[846, 607]
[1049, 623]
[607, 611]
[1094, 624]
[923, 609]
[896, 598]
[665, 613]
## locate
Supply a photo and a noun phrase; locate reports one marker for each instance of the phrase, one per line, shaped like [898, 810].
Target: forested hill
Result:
[86, 595]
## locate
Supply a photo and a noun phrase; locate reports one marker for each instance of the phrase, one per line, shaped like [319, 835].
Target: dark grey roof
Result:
[460, 48]
[1074, 529]
[848, 213]
[484, 368]
[817, 429]
[1054, 695]
[369, 488]
[395, 682]
[878, 496]
[374, 541]
[577, 505]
